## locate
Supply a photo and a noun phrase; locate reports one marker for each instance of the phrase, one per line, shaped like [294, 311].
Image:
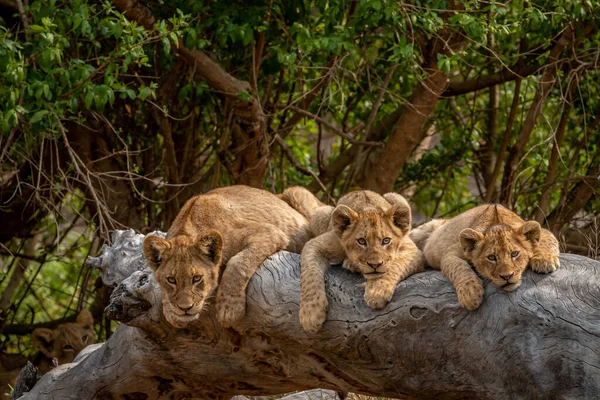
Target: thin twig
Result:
[305, 171]
[331, 127]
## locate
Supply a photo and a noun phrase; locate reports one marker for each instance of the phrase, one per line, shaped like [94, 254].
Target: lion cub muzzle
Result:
[501, 253]
[187, 271]
[373, 269]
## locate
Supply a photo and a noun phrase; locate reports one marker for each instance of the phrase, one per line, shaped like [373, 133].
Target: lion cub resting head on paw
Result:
[496, 241]
[367, 232]
[235, 226]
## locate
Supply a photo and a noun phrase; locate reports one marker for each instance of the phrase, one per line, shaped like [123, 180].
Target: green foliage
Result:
[84, 86]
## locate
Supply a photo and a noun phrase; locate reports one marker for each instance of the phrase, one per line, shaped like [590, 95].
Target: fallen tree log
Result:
[541, 341]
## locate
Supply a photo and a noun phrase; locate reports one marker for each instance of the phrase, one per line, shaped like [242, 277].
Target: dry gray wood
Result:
[539, 342]
[27, 379]
[314, 394]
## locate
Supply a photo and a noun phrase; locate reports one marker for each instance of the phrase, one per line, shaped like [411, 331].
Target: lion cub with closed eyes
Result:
[366, 232]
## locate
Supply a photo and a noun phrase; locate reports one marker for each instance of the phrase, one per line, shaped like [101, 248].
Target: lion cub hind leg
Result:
[409, 261]
[316, 257]
[545, 254]
[301, 200]
[469, 288]
[260, 241]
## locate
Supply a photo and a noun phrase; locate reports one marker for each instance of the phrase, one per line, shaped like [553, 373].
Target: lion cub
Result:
[62, 344]
[237, 227]
[496, 241]
[366, 232]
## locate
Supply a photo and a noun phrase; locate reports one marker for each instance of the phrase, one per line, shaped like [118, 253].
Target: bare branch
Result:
[289, 155]
[331, 127]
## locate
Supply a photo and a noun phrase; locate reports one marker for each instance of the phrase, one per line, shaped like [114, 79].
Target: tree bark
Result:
[529, 343]
[383, 165]
[456, 88]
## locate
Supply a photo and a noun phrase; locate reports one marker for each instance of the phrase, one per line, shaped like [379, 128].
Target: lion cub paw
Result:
[313, 313]
[545, 263]
[470, 295]
[378, 294]
[230, 310]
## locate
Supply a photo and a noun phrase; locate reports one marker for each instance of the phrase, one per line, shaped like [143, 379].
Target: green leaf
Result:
[38, 116]
[244, 95]
[144, 92]
[89, 99]
[36, 29]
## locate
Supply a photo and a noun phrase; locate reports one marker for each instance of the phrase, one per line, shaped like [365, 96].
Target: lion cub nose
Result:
[184, 308]
[507, 276]
[375, 265]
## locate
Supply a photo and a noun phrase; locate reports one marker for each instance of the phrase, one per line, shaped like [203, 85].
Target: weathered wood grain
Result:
[539, 342]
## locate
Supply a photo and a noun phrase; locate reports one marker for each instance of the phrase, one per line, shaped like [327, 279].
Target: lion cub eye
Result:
[196, 278]
[362, 242]
[514, 254]
[491, 257]
[172, 280]
[84, 338]
[386, 241]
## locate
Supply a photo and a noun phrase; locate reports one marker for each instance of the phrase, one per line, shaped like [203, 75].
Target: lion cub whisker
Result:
[366, 233]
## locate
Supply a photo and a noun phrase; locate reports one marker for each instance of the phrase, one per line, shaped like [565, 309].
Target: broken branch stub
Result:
[541, 341]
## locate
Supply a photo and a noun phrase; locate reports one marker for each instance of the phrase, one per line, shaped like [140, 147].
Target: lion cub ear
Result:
[154, 248]
[210, 244]
[531, 230]
[468, 239]
[399, 213]
[342, 217]
[85, 318]
[43, 338]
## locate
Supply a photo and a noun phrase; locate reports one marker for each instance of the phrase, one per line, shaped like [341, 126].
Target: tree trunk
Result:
[530, 343]
[383, 165]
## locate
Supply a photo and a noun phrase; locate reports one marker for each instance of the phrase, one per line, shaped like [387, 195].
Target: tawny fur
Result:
[301, 200]
[370, 218]
[237, 227]
[496, 241]
[63, 343]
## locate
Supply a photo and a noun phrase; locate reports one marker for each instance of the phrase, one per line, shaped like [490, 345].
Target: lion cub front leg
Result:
[469, 288]
[315, 260]
[259, 243]
[320, 220]
[409, 261]
[545, 254]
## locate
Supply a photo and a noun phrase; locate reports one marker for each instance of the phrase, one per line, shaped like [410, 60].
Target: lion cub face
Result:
[187, 270]
[67, 340]
[371, 239]
[501, 253]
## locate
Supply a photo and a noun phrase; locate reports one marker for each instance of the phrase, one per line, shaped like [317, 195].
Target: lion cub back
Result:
[234, 208]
